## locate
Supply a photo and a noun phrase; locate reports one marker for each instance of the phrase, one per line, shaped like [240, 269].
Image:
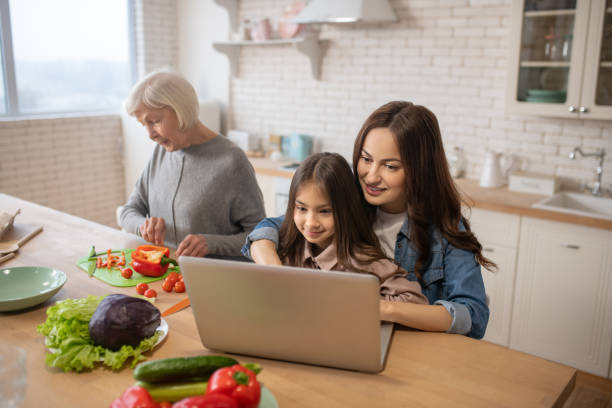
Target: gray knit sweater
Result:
[208, 189]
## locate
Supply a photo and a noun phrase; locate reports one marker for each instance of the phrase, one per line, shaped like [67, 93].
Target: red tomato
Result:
[150, 293]
[179, 286]
[181, 277]
[173, 276]
[126, 273]
[165, 404]
[168, 284]
[141, 288]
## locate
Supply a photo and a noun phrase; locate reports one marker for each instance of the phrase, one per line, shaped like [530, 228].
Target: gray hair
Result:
[164, 89]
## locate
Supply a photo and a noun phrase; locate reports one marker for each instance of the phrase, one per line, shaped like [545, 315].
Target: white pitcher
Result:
[493, 173]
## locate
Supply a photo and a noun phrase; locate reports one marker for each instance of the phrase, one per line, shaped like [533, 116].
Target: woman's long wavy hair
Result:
[432, 198]
[353, 236]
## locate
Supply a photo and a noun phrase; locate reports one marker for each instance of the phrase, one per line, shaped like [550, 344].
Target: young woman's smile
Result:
[381, 173]
[313, 215]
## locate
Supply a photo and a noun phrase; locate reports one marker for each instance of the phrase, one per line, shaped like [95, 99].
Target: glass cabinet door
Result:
[597, 94]
[603, 89]
[546, 50]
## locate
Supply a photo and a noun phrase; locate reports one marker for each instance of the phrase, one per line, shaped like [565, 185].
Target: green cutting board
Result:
[113, 276]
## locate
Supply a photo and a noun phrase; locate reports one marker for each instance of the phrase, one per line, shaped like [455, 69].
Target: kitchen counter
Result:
[422, 369]
[494, 199]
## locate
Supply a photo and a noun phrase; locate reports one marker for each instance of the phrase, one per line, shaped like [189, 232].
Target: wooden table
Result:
[423, 369]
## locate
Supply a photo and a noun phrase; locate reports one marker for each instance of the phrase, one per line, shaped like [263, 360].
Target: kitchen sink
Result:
[578, 204]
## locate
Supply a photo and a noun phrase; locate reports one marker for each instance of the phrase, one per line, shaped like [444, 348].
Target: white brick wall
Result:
[449, 55]
[70, 164]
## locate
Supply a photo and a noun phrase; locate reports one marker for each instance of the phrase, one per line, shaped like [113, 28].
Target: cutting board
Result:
[113, 276]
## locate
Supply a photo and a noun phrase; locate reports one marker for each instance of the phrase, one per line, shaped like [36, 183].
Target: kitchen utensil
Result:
[492, 173]
[7, 257]
[176, 307]
[19, 235]
[26, 286]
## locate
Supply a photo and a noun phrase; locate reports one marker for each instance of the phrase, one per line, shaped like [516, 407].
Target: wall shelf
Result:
[309, 46]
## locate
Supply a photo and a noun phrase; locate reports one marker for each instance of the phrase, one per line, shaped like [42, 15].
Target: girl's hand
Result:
[193, 245]
[153, 230]
[263, 251]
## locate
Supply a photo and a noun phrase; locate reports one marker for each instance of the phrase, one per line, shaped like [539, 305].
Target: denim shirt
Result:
[452, 279]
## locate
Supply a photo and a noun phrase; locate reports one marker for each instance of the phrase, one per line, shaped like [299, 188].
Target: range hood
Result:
[346, 11]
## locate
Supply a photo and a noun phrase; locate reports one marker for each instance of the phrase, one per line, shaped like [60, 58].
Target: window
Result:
[65, 55]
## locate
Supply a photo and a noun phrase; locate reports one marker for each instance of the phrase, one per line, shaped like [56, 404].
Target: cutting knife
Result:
[176, 307]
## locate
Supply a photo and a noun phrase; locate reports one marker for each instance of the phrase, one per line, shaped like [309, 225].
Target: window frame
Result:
[7, 59]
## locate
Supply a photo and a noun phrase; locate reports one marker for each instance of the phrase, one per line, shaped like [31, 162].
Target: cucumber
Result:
[174, 391]
[180, 369]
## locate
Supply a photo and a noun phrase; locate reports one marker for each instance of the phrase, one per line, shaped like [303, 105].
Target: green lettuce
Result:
[66, 331]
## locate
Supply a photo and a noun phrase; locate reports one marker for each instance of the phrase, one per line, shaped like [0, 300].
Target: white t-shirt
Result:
[386, 227]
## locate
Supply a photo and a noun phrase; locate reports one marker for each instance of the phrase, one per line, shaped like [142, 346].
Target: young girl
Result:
[326, 227]
[400, 165]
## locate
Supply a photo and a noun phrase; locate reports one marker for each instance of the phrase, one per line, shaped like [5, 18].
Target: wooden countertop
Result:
[423, 369]
[494, 199]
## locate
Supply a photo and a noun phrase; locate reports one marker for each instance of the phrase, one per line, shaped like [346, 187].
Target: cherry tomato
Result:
[181, 277]
[179, 286]
[173, 277]
[126, 273]
[141, 288]
[150, 293]
[168, 284]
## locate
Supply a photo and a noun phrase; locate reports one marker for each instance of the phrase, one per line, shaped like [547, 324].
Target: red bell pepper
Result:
[150, 260]
[135, 397]
[207, 401]
[237, 382]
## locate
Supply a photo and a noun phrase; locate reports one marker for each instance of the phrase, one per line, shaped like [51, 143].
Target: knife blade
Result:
[176, 307]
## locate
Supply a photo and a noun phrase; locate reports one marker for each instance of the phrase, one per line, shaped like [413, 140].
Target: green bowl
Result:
[26, 286]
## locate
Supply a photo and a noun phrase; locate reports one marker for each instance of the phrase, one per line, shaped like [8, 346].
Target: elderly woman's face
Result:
[162, 125]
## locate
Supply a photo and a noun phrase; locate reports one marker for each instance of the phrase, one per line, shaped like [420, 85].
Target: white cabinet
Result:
[266, 184]
[563, 294]
[498, 233]
[561, 59]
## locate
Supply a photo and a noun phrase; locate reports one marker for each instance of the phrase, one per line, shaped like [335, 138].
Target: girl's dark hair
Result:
[354, 236]
[432, 198]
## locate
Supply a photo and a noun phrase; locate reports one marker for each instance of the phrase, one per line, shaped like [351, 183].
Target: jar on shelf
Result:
[244, 31]
[456, 162]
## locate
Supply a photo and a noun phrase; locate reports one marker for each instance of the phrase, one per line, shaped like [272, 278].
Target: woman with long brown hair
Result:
[412, 201]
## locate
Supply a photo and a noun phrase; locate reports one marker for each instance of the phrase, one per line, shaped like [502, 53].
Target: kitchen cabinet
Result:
[307, 45]
[561, 59]
[498, 234]
[266, 185]
[563, 295]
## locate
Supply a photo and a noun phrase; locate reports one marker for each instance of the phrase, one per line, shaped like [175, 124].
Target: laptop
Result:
[324, 318]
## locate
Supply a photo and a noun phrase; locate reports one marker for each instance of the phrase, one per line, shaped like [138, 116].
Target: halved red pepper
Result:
[151, 260]
[237, 382]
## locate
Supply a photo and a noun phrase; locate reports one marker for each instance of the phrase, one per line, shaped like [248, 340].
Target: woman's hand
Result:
[423, 317]
[153, 230]
[193, 245]
[263, 251]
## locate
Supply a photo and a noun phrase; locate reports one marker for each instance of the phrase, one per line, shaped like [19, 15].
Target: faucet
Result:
[596, 189]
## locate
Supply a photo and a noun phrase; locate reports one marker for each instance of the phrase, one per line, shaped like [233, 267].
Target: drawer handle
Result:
[488, 249]
[570, 246]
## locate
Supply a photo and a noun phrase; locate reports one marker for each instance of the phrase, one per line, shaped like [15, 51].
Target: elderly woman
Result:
[198, 193]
